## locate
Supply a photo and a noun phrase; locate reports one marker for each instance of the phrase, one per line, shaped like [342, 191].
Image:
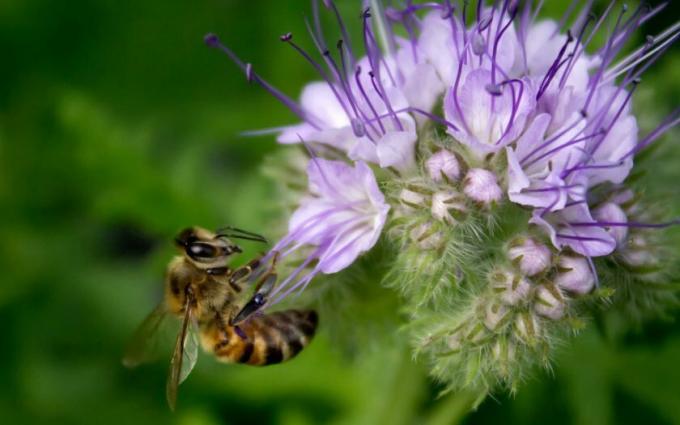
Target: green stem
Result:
[453, 408]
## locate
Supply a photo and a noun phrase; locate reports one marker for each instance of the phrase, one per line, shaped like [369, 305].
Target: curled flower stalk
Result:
[491, 153]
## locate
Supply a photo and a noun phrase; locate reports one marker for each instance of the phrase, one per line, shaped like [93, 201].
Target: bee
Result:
[205, 292]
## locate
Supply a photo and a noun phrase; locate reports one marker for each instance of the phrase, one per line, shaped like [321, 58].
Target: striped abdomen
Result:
[268, 339]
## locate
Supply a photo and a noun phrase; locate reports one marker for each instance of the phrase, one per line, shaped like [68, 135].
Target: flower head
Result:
[479, 124]
[342, 216]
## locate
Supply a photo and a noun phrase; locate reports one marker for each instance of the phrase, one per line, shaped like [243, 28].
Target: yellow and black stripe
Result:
[267, 339]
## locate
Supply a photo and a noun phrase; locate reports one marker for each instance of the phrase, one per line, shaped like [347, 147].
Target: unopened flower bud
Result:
[575, 275]
[427, 236]
[453, 341]
[612, 213]
[503, 351]
[549, 302]
[527, 327]
[477, 334]
[447, 206]
[495, 315]
[443, 165]
[512, 287]
[411, 198]
[638, 253]
[531, 257]
[481, 186]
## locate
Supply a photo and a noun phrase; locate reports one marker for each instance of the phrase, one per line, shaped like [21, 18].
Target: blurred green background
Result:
[117, 128]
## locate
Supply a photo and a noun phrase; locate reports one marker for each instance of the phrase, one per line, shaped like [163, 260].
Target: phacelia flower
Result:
[342, 217]
[489, 152]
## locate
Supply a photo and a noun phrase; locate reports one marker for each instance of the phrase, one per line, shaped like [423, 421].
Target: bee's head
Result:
[204, 248]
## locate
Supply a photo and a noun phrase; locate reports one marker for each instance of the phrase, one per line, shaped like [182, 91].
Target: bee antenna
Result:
[244, 237]
[235, 232]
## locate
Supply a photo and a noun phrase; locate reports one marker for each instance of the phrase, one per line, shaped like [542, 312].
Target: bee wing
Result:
[146, 341]
[183, 357]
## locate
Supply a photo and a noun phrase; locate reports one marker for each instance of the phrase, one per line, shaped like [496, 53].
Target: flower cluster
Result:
[492, 150]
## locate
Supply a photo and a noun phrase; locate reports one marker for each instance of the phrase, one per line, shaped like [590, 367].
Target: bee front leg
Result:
[238, 276]
[264, 286]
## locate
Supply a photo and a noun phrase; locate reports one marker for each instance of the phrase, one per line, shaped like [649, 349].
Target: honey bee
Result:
[204, 291]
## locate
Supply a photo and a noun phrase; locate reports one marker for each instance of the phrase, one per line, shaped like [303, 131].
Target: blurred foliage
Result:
[117, 128]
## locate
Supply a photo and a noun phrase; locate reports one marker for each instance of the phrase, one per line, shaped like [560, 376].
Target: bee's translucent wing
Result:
[147, 340]
[183, 357]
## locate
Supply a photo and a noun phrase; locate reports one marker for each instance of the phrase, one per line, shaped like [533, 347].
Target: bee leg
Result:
[263, 288]
[218, 271]
[242, 273]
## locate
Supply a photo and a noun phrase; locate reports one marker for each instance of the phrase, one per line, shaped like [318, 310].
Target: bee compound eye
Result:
[201, 250]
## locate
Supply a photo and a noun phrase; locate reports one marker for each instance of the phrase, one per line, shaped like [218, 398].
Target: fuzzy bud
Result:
[426, 236]
[447, 206]
[549, 302]
[531, 257]
[575, 275]
[495, 315]
[512, 288]
[443, 165]
[481, 186]
[477, 334]
[454, 342]
[503, 352]
[411, 198]
[612, 213]
[528, 327]
[638, 253]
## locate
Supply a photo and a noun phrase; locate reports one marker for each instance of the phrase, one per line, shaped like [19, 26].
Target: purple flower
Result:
[527, 112]
[342, 217]
[487, 116]
[573, 226]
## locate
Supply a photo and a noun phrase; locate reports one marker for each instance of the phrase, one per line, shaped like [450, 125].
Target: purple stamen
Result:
[213, 41]
[499, 35]
[549, 141]
[606, 58]
[515, 105]
[669, 122]
[288, 38]
[552, 71]
[367, 99]
[572, 55]
[448, 13]
[630, 224]
[343, 30]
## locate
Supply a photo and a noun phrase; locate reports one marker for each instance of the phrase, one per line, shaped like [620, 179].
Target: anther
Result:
[358, 127]
[366, 13]
[650, 40]
[211, 40]
[286, 37]
[493, 89]
[326, 53]
[339, 44]
[636, 81]
[478, 44]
